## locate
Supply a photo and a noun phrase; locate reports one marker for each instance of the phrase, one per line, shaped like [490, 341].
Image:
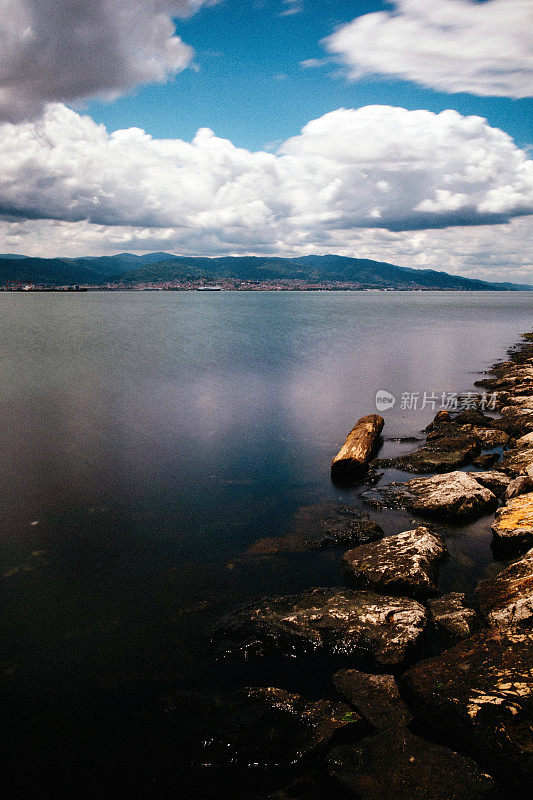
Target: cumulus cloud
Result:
[65, 50]
[450, 45]
[373, 167]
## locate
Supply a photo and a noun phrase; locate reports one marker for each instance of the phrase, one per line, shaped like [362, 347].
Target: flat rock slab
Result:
[375, 698]
[513, 524]
[255, 728]
[456, 496]
[488, 432]
[396, 765]
[443, 456]
[322, 525]
[481, 691]
[452, 616]
[342, 621]
[485, 437]
[507, 599]
[406, 563]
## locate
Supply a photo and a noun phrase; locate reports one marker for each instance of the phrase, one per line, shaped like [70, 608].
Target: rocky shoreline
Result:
[397, 724]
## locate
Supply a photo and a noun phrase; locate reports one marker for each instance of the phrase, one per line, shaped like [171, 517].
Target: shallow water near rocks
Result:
[149, 440]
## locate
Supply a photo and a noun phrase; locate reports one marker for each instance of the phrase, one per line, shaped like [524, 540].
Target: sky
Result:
[397, 131]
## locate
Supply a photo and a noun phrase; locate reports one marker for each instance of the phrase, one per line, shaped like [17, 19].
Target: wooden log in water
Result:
[352, 459]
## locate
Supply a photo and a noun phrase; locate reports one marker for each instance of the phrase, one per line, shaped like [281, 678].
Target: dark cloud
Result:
[66, 50]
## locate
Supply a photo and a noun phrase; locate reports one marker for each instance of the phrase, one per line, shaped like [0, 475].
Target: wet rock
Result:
[507, 599]
[444, 455]
[518, 420]
[406, 563]
[481, 691]
[255, 728]
[521, 400]
[485, 460]
[383, 629]
[451, 615]
[472, 416]
[441, 418]
[375, 698]
[455, 495]
[516, 462]
[322, 525]
[483, 437]
[496, 481]
[489, 437]
[518, 486]
[524, 441]
[513, 524]
[352, 459]
[397, 765]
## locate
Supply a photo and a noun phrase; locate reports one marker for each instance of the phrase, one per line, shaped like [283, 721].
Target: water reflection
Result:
[154, 437]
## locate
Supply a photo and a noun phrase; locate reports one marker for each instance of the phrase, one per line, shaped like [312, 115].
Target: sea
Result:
[149, 441]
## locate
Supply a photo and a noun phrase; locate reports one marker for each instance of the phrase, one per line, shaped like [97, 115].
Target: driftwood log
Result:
[352, 459]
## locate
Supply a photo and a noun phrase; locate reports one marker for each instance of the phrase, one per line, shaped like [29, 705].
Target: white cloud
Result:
[449, 45]
[314, 63]
[291, 7]
[66, 50]
[373, 167]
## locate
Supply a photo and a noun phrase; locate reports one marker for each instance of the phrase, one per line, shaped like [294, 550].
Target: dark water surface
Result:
[148, 440]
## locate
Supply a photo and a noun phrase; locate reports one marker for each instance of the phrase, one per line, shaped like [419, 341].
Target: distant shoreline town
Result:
[169, 272]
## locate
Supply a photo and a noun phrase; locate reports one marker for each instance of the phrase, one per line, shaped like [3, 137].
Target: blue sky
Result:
[251, 89]
[396, 131]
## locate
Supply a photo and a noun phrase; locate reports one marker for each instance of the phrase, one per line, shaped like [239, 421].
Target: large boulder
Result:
[513, 524]
[452, 617]
[507, 599]
[406, 563]
[456, 496]
[375, 698]
[382, 629]
[480, 692]
[254, 728]
[396, 765]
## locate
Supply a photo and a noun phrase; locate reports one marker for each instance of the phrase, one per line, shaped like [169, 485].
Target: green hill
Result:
[130, 270]
[360, 272]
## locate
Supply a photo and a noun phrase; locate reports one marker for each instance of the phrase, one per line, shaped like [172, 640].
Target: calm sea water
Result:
[148, 439]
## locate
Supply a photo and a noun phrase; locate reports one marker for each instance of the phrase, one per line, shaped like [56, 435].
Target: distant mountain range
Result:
[157, 268]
